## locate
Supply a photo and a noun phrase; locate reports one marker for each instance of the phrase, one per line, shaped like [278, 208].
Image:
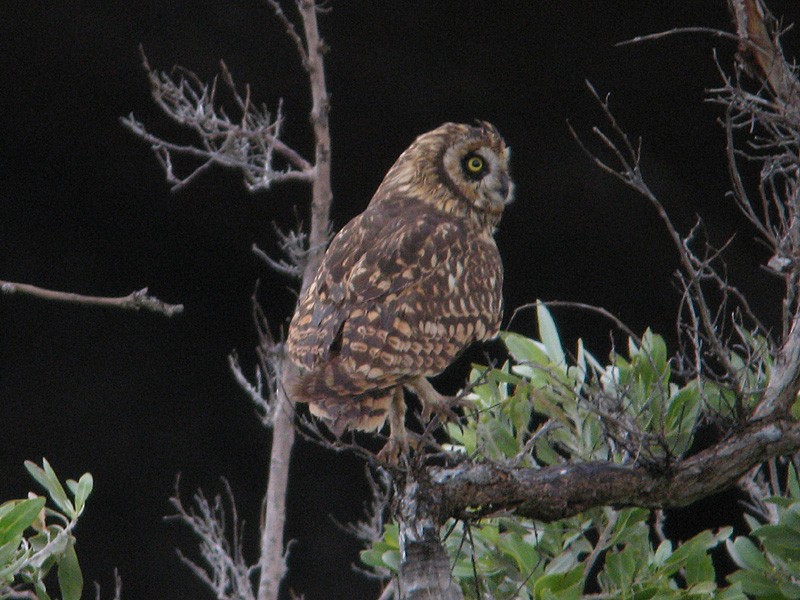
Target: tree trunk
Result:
[425, 566]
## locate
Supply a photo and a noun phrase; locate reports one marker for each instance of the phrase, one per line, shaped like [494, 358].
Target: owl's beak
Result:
[499, 195]
[505, 188]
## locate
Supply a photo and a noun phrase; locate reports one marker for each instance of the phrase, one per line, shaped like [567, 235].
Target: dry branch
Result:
[273, 566]
[251, 144]
[138, 300]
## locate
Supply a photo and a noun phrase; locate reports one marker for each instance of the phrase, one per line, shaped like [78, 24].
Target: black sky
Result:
[137, 398]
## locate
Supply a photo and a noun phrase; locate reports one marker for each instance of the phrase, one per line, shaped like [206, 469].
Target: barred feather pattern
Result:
[404, 287]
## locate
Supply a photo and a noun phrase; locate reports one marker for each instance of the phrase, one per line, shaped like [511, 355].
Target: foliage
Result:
[544, 408]
[35, 538]
[769, 559]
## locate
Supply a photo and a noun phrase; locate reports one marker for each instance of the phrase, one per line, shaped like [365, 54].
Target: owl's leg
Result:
[397, 444]
[434, 403]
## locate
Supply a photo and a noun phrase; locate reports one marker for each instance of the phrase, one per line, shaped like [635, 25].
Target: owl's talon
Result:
[444, 410]
[393, 451]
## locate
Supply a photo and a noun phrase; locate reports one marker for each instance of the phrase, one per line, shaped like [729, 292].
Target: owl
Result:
[406, 285]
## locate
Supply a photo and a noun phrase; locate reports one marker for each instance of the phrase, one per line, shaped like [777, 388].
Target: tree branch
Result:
[320, 106]
[557, 492]
[138, 300]
[272, 563]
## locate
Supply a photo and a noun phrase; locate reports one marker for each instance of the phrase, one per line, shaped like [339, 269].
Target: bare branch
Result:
[227, 573]
[272, 563]
[248, 145]
[279, 266]
[117, 588]
[679, 31]
[139, 300]
[252, 145]
[254, 391]
[294, 245]
[322, 195]
[290, 31]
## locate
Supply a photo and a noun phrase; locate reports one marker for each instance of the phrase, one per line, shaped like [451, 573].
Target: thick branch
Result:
[321, 194]
[272, 563]
[558, 492]
[425, 570]
[784, 383]
[138, 300]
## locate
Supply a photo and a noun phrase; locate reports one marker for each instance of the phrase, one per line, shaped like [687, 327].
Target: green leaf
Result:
[790, 590]
[501, 438]
[663, 552]
[620, 568]
[780, 540]
[732, 592]
[466, 437]
[699, 568]
[12, 559]
[19, 518]
[791, 517]
[627, 519]
[85, 487]
[49, 481]
[706, 588]
[525, 350]
[372, 557]
[523, 552]
[655, 348]
[549, 336]
[391, 558]
[791, 483]
[70, 578]
[746, 554]
[545, 453]
[8, 549]
[754, 583]
[41, 592]
[564, 586]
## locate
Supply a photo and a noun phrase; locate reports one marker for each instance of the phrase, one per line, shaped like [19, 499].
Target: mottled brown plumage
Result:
[408, 284]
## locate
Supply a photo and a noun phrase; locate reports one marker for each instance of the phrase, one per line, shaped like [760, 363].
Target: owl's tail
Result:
[364, 412]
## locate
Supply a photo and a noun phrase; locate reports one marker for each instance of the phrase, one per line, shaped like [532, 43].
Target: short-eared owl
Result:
[407, 285]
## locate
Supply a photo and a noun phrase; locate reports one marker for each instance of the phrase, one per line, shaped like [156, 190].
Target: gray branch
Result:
[138, 300]
[250, 145]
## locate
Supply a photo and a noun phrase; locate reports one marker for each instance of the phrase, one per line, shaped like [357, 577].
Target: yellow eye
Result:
[475, 164]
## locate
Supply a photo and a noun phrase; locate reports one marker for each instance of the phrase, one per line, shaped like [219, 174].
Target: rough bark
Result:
[558, 492]
[425, 567]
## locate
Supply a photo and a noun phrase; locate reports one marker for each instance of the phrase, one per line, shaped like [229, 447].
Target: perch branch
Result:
[553, 493]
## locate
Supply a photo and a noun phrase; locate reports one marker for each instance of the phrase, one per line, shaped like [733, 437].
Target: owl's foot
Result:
[434, 403]
[397, 447]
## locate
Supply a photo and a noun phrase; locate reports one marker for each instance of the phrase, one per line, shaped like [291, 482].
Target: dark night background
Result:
[136, 398]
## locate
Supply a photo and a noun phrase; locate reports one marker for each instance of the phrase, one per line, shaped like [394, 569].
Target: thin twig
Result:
[138, 300]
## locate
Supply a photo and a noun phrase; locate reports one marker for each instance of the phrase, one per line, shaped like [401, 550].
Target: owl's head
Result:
[462, 169]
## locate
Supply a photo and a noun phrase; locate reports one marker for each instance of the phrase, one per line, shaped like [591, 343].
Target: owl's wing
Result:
[418, 297]
[326, 303]
[397, 296]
